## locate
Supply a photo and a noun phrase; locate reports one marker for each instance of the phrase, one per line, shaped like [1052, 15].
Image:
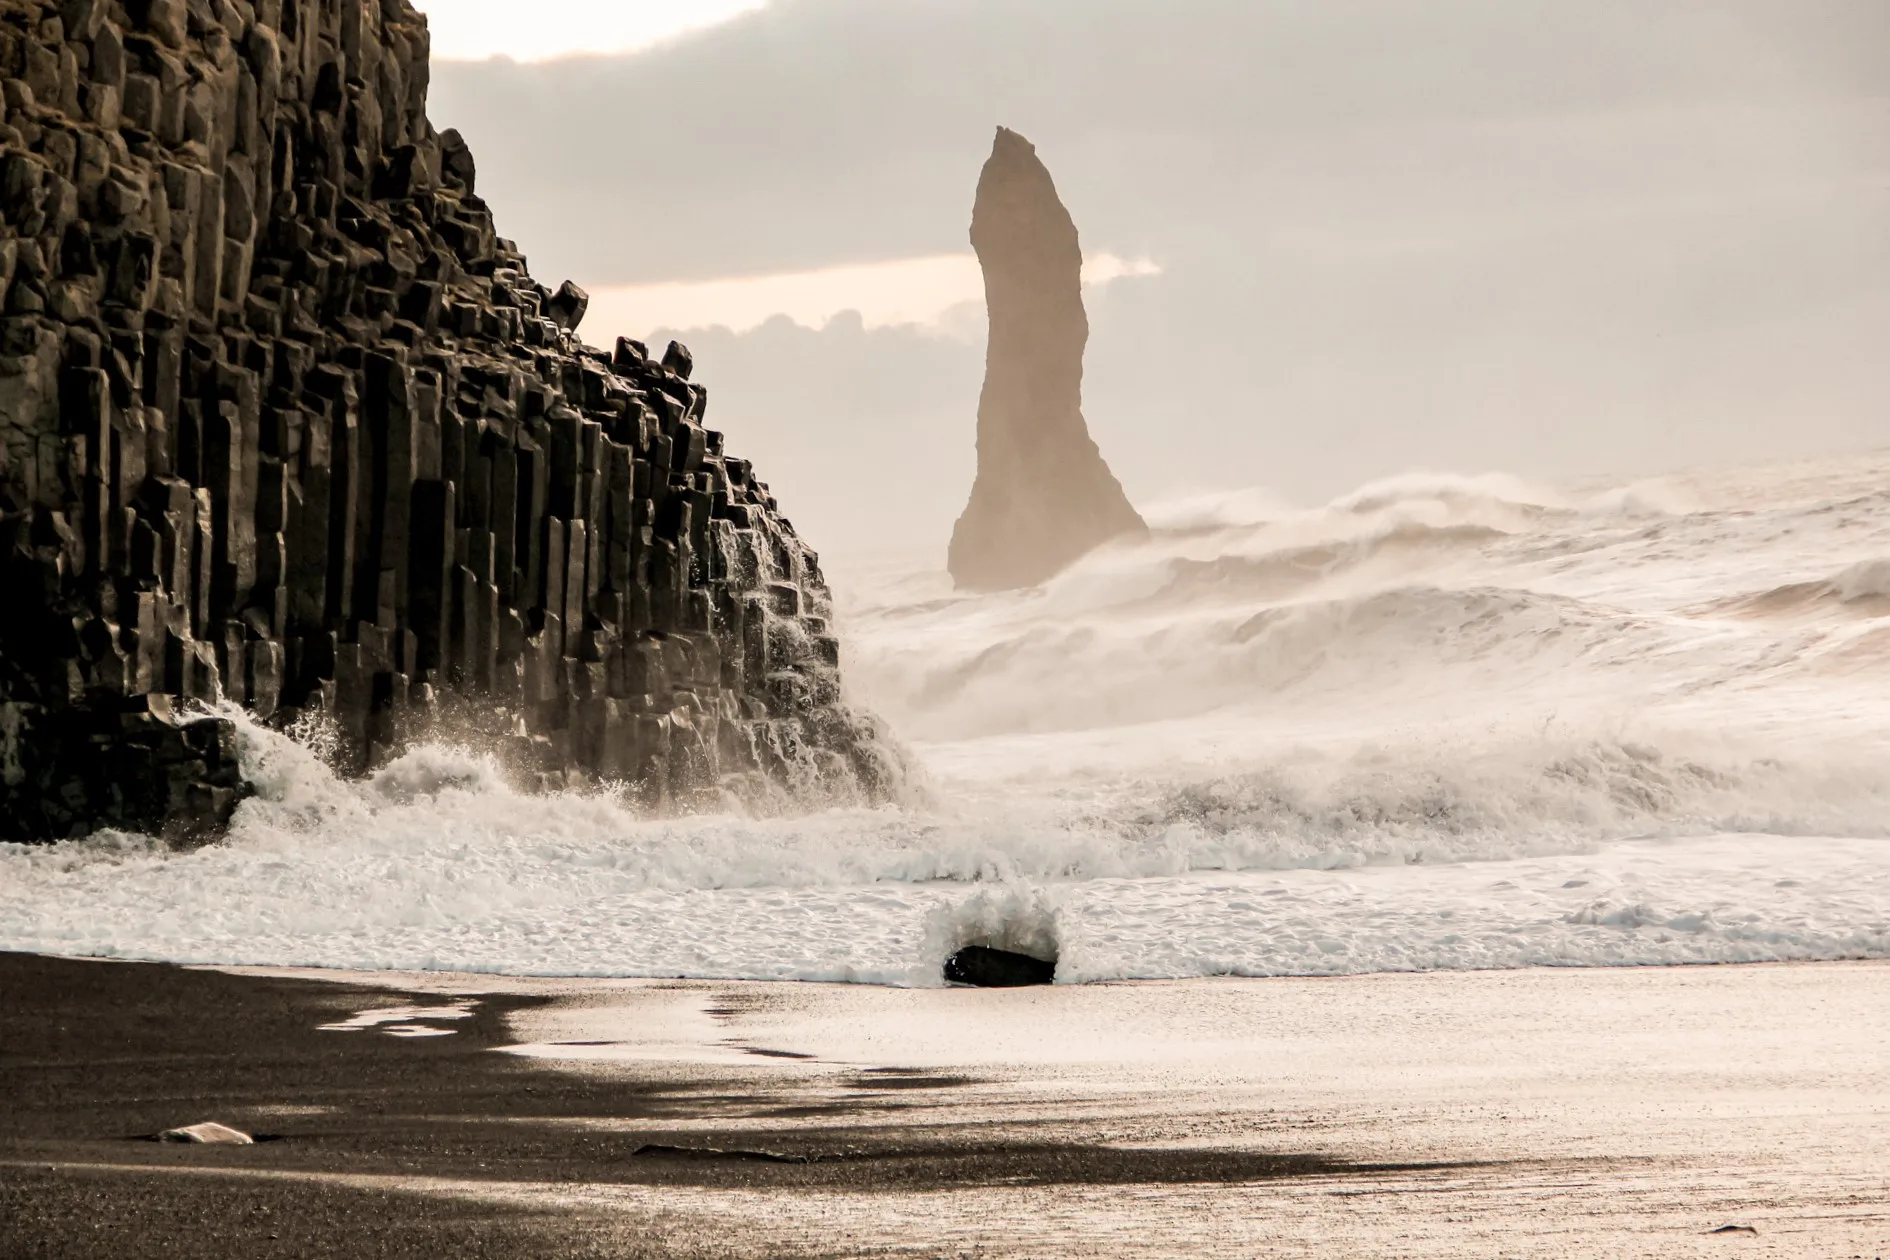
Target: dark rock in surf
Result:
[284, 422]
[989, 968]
[1043, 495]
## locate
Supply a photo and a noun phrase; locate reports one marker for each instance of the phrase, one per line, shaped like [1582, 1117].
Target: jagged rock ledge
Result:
[284, 422]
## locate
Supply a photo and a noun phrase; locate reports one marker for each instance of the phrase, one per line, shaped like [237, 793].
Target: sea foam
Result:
[1439, 722]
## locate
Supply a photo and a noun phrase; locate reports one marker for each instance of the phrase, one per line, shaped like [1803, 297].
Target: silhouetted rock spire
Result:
[1043, 495]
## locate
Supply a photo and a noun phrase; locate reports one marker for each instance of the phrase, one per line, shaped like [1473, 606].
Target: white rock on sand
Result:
[209, 1133]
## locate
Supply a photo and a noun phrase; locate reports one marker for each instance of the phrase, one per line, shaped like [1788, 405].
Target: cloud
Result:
[474, 30]
[820, 133]
[921, 291]
[865, 434]
[1560, 238]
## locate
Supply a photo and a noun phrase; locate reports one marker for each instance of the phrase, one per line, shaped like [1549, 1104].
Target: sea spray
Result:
[1015, 917]
[1489, 727]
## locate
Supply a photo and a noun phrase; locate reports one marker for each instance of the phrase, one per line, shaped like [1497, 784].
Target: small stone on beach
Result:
[209, 1133]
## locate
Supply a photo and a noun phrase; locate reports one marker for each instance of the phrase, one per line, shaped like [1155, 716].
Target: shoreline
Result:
[645, 1117]
[363, 1128]
[536, 906]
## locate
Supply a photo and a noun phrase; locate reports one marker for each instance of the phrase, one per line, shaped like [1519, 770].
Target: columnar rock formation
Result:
[284, 422]
[1043, 495]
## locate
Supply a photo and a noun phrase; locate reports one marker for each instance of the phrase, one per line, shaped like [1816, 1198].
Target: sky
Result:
[474, 30]
[1326, 242]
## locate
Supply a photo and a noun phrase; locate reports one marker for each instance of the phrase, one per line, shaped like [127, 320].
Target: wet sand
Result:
[1492, 1114]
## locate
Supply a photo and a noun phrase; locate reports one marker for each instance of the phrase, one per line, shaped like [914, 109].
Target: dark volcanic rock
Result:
[285, 422]
[990, 968]
[1043, 495]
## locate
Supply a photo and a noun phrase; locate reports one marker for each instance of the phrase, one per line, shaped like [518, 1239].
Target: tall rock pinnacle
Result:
[1043, 495]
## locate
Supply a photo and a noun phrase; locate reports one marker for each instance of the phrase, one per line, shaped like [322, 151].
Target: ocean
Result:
[1441, 722]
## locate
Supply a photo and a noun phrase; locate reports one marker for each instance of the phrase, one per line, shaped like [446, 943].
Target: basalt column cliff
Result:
[1043, 495]
[283, 422]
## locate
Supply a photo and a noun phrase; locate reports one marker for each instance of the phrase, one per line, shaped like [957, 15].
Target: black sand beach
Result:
[378, 1145]
[1545, 1113]
[1654, 1112]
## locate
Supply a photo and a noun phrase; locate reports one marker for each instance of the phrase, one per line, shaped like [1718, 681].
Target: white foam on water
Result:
[1439, 722]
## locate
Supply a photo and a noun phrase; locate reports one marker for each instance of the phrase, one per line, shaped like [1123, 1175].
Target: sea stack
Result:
[1043, 495]
[286, 424]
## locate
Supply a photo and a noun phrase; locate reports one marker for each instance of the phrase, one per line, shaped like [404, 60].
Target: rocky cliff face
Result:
[1043, 495]
[284, 422]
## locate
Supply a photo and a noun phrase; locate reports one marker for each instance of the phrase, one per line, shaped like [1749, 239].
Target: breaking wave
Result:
[1440, 721]
[1862, 589]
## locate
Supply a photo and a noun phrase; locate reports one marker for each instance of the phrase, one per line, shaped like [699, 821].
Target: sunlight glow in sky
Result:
[538, 30]
[903, 291]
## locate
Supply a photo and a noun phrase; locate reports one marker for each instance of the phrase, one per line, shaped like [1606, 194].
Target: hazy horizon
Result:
[1552, 239]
